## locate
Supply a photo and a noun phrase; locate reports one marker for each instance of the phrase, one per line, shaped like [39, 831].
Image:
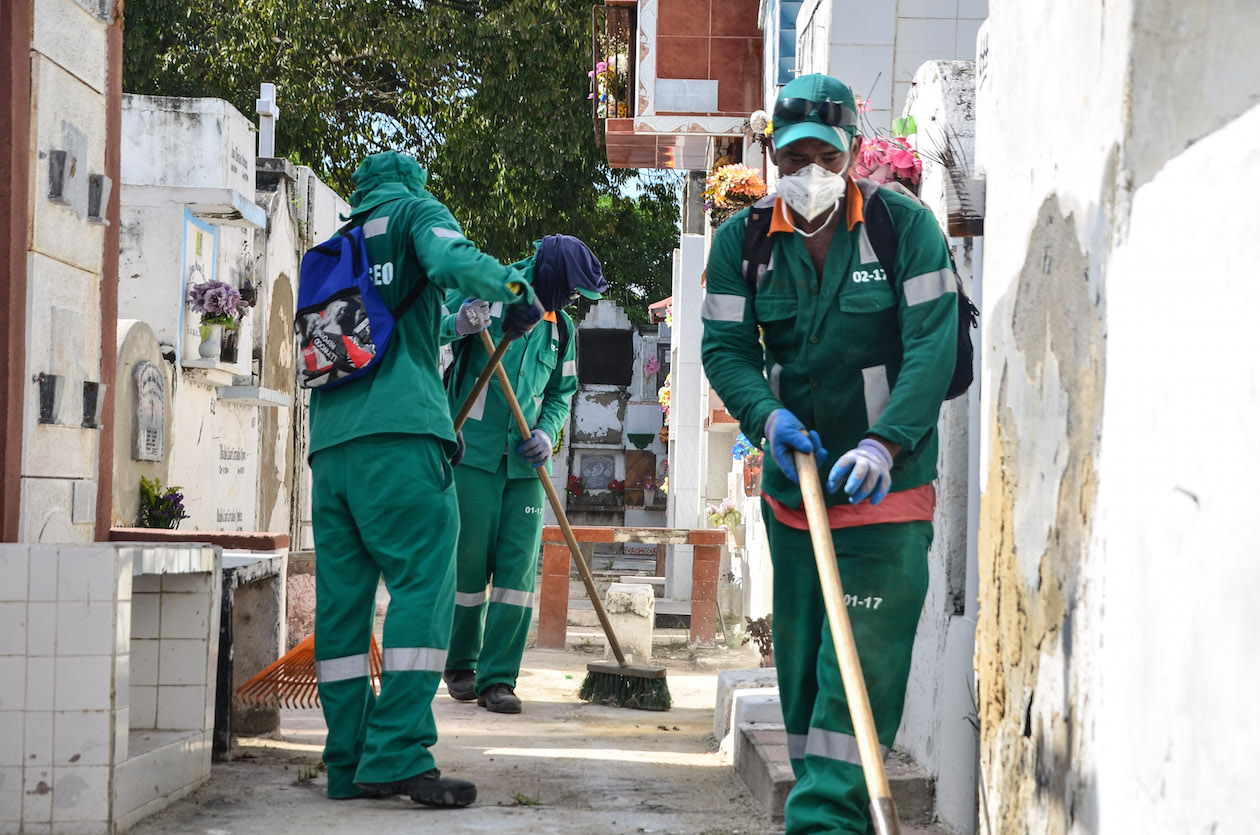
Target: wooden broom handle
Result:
[496, 354]
[883, 810]
[550, 489]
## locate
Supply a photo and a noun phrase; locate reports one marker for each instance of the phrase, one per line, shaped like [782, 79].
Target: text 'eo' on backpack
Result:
[759, 246]
[343, 326]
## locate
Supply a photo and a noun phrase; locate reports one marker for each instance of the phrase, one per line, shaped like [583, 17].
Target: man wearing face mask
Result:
[500, 496]
[383, 497]
[852, 366]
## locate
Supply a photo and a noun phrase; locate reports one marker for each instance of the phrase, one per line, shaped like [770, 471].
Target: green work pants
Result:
[501, 521]
[884, 571]
[382, 505]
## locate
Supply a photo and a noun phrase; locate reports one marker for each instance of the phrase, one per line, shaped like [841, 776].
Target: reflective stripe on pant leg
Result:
[479, 494]
[883, 569]
[412, 659]
[341, 669]
[413, 542]
[515, 563]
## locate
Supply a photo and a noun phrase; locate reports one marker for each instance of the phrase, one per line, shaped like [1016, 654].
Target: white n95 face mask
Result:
[812, 190]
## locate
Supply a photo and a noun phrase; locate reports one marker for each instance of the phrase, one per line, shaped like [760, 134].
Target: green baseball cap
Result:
[815, 106]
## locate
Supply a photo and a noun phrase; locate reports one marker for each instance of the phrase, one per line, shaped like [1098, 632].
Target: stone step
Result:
[762, 761]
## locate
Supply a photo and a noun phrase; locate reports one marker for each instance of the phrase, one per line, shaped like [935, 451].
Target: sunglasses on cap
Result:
[832, 113]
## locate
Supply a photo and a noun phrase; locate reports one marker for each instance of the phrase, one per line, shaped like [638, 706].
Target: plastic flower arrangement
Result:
[160, 507]
[887, 159]
[610, 86]
[617, 486]
[669, 314]
[662, 395]
[648, 482]
[664, 488]
[724, 515]
[651, 365]
[576, 486]
[219, 303]
[730, 188]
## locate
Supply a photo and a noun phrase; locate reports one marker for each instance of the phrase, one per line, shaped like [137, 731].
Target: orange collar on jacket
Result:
[781, 220]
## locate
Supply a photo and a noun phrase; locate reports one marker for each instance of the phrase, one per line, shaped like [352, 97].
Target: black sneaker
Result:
[499, 698]
[429, 788]
[461, 684]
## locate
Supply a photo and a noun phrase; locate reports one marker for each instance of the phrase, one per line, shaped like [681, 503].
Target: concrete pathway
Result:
[562, 766]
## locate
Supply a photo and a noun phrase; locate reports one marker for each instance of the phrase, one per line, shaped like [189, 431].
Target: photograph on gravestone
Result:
[597, 470]
[605, 357]
[149, 442]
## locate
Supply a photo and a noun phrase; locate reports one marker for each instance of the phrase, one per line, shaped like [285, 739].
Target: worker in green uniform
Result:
[851, 360]
[500, 496]
[383, 500]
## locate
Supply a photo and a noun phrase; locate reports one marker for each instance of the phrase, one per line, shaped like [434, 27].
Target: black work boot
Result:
[461, 684]
[429, 788]
[499, 698]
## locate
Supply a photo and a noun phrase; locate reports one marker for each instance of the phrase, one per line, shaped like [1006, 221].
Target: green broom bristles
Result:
[625, 691]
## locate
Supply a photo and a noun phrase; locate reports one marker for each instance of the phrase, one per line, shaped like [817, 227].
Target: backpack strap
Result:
[879, 227]
[758, 245]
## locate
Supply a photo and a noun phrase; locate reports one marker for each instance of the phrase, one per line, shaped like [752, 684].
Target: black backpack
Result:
[758, 247]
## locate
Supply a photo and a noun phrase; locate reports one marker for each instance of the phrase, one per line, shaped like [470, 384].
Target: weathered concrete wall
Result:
[64, 264]
[1086, 516]
[938, 727]
[1173, 550]
[137, 344]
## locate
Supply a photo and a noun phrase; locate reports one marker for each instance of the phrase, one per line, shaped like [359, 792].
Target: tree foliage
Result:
[490, 95]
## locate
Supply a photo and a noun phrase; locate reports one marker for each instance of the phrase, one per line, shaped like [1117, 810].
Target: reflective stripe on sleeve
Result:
[834, 745]
[723, 307]
[928, 287]
[341, 669]
[443, 232]
[776, 372]
[376, 226]
[413, 659]
[570, 368]
[537, 403]
[470, 598]
[513, 597]
[875, 392]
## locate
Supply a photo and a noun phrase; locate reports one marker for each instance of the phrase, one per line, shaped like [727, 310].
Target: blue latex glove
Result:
[868, 469]
[473, 317]
[521, 318]
[785, 434]
[536, 450]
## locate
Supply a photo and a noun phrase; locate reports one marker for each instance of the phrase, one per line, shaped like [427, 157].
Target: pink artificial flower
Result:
[862, 105]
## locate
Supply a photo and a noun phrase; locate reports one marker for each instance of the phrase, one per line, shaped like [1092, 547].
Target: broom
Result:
[620, 684]
[291, 682]
[883, 810]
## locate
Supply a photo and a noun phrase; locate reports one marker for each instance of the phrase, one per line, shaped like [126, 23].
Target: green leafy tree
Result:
[489, 95]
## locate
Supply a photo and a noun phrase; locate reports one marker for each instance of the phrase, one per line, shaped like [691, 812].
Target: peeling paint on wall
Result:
[1035, 526]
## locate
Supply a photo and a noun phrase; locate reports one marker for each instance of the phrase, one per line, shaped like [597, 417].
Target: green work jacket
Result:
[409, 239]
[543, 380]
[850, 354]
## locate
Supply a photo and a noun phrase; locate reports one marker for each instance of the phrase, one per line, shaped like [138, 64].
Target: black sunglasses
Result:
[831, 113]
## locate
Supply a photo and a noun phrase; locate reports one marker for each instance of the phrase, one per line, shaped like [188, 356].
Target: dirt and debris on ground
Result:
[562, 766]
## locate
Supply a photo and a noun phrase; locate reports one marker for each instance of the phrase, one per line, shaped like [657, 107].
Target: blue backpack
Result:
[343, 326]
